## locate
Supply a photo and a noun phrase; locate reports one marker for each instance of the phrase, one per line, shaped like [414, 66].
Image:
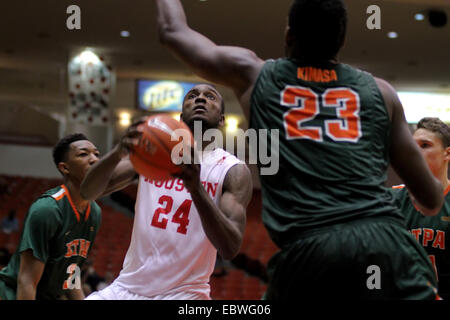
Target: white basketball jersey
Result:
[169, 250]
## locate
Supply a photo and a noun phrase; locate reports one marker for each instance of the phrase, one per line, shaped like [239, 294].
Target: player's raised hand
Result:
[131, 137]
[190, 170]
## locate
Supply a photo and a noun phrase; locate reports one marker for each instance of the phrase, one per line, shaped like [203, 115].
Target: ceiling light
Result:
[88, 56]
[125, 119]
[419, 17]
[392, 35]
[124, 33]
[232, 124]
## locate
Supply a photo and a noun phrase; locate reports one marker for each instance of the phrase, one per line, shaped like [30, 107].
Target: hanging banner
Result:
[90, 84]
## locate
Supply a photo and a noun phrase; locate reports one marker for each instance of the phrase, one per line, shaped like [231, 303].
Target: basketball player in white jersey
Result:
[180, 224]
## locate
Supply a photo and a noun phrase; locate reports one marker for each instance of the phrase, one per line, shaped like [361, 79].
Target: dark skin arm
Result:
[30, 273]
[114, 171]
[406, 158]
[224, 225]
[234, 67]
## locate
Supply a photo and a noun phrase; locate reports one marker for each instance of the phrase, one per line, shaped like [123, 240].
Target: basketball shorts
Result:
[116, 292]
[371, 258]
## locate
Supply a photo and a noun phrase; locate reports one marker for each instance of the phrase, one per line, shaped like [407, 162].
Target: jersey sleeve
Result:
[40, 226]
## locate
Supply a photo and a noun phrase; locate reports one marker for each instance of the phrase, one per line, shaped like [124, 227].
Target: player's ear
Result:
[63, 168]
[447, 153]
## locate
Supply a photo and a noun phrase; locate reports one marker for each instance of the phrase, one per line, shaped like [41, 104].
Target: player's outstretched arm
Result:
[407, 160]
[114, 171]
[224, 225]
[234, 67]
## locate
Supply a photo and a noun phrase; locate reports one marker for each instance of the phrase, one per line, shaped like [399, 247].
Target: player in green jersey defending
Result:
[59, 230]
[340, 234]
[433, 233]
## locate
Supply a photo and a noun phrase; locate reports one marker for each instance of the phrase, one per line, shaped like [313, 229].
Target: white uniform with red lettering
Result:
[170, 256]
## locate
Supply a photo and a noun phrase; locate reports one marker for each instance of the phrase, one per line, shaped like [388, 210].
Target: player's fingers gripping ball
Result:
[160, 147]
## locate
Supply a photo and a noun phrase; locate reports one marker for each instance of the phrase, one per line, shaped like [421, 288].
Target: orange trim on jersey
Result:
[71, 202]
[88, 212]
[415, 206]
[447, 190]
[61, 195]
[400, 186]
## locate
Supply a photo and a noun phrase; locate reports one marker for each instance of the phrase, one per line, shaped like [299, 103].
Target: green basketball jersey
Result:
[60, 237]
[333, 146]
[432, 232]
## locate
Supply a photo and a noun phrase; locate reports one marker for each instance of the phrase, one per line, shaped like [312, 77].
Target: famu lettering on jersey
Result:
[431, 232]
[426, 236]
[78, 247]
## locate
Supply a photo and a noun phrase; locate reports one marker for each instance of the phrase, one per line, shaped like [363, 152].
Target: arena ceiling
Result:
[35, 43]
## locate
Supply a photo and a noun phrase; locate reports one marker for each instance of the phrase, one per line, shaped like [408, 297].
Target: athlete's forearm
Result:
[97, 178]
[421, 208]
[170, 16]
[220, 230]
[25, 290]
[30, 273]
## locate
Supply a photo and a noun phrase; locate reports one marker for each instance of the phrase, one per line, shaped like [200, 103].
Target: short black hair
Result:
[62, 147]
[438, 127]
[319, 27]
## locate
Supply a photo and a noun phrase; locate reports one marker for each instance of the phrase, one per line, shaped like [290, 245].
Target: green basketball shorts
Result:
[371, 258]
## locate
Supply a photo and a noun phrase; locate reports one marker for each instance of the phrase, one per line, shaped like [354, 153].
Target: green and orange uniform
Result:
[433, 233]
[327, 207]
[60, 237]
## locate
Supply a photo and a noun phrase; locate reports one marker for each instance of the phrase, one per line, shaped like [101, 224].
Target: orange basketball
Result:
[152, 156]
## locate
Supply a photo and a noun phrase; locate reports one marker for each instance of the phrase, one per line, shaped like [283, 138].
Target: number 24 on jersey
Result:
[180, 217]
[304, 104]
